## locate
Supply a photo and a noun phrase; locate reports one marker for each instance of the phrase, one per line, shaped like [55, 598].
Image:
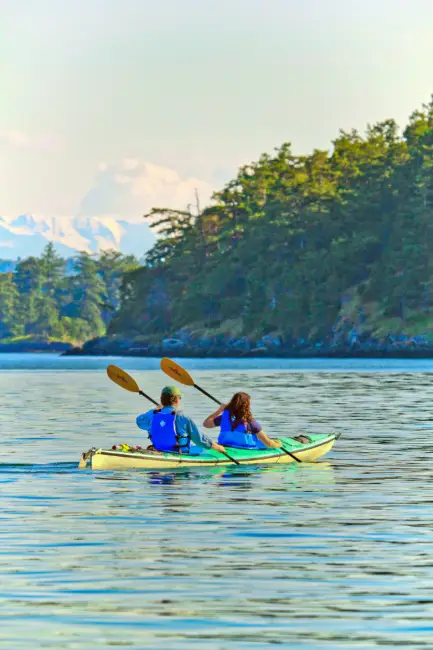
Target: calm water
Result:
[333, 555]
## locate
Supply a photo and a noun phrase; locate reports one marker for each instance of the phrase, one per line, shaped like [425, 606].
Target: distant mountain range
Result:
[28, 235]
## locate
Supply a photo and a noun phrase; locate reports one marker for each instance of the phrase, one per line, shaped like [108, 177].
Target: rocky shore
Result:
[400, 346]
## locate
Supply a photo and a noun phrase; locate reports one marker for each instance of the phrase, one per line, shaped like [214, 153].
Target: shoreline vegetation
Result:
[48, 302]
[327, 254]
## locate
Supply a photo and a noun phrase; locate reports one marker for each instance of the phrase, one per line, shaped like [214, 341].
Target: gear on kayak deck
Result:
[303, 439]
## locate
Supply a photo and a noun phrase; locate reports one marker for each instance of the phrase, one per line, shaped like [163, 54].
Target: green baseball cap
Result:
[171, 390]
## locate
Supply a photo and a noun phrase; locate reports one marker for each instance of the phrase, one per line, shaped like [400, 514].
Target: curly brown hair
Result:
[239, 408]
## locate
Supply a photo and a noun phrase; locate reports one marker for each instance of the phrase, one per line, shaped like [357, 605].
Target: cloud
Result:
[30, 142]
[129, 189]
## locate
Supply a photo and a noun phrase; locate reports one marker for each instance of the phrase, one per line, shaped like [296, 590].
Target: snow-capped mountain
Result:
[129, 187]
[28, 235]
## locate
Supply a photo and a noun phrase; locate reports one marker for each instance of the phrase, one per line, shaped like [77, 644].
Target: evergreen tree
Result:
[40, 299]
[9, 300]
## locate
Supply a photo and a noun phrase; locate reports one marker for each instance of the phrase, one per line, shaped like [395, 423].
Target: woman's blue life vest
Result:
[164, 436]
[239, 437]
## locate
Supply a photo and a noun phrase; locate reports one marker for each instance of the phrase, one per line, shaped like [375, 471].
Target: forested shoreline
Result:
[330, 251]
[47, 300]
[324, 253]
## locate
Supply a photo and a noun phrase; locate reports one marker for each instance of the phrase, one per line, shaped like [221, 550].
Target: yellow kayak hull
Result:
[109, 459]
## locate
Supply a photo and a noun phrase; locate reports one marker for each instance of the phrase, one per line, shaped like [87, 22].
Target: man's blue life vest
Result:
[239, 437]
[164, 436]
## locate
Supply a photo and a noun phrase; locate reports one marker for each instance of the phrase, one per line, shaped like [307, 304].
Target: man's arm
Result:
[144, 421]
[200, 439]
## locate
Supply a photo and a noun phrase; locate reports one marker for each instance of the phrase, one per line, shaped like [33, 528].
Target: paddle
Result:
[175, 371]
[122, 379]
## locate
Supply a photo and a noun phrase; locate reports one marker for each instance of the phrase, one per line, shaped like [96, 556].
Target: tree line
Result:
[294, 246]
[64, 300]
[292, 238]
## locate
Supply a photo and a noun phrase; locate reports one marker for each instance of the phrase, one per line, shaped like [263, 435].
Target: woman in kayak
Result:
[238, 428]
[170, 430]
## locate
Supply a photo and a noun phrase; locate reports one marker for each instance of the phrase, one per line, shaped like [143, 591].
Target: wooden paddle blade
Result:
[176, 372]
[122, 379]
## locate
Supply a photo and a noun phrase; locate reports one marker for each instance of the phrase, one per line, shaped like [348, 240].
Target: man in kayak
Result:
[170, 430]
[238, 428]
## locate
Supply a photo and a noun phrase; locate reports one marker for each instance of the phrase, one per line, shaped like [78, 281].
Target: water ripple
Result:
[336, 555]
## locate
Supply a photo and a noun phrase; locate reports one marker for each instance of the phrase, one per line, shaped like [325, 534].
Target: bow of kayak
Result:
[113, 459]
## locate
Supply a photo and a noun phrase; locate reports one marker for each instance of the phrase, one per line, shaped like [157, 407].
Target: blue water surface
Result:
[333, 555]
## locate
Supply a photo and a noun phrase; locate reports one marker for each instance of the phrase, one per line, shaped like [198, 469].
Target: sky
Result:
[108, 106]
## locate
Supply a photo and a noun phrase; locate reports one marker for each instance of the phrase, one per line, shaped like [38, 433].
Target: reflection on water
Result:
[333, 555]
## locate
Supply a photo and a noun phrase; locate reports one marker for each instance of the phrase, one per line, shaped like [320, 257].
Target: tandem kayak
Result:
[304, 448]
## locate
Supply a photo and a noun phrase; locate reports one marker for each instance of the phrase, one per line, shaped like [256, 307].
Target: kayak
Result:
[304, 448]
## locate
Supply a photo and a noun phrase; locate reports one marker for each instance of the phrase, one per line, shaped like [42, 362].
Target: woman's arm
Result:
[269, 442]
[209, 422]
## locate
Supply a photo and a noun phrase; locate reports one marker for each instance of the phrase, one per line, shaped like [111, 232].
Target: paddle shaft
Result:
[229, 457]
[202, 390]
[140, 392]
[289, 454]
